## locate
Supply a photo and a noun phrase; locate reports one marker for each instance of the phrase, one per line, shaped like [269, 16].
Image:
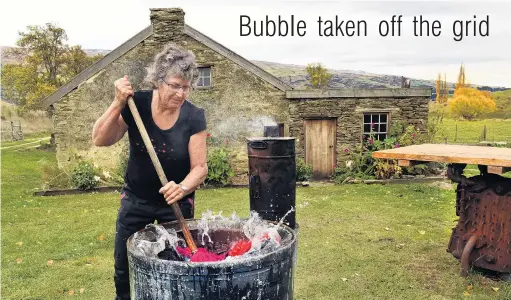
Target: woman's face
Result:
[173, 92]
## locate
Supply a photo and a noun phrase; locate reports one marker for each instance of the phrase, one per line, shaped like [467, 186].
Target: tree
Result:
[17, 82]
[470, 103]
[442, 90]
[47, 47]
[319, 76]
[461, 83]
[446, 88]
[438, 89]
[75, 61]
[23, 86]
[46, 63]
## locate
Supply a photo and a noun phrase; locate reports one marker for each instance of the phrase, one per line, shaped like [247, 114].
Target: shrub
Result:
[411, 136]
[361, 165]
[303, 170]
[219, 168]
[387, 169]
[84, 176]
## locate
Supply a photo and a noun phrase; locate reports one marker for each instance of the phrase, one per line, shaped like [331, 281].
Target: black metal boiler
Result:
[272, 178]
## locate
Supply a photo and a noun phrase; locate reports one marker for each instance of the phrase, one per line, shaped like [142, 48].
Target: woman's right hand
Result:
[123, 90]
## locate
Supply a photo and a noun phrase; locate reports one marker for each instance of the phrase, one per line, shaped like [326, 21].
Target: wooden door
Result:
[320, 146]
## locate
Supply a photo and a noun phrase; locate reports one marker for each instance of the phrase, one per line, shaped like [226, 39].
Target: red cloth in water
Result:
[240, 248]
[202, 255]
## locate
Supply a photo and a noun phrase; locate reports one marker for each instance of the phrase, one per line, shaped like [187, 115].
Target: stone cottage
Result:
[239, 98]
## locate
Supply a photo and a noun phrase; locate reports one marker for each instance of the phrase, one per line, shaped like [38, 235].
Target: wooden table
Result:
[482, 237]
[497, 160]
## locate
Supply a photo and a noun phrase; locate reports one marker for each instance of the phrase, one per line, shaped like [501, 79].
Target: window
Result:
[204, 77]
[377, 125]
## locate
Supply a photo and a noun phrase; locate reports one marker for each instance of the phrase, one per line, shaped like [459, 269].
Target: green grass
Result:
[355, 241]
[471, 132]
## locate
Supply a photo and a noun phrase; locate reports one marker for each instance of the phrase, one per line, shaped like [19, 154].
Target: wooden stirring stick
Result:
[156, 162]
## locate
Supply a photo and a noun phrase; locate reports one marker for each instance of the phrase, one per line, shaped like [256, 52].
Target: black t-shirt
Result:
[171, 147]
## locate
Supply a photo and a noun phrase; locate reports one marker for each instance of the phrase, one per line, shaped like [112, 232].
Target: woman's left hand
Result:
[172, 192]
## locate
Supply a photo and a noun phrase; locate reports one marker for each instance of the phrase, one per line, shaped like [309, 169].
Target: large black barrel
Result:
[272, 178]
[268, 276]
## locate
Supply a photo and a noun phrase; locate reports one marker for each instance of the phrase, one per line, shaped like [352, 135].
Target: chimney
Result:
[168, 24]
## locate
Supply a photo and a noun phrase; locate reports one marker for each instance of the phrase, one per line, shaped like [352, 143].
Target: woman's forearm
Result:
[196, 176]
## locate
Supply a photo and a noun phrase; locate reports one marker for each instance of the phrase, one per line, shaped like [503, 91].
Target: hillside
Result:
[503, 99]
[296, 76]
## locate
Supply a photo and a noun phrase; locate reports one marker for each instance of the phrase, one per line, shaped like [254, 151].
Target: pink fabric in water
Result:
[202, 255]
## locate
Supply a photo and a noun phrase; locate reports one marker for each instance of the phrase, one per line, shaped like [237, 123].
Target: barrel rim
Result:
[245, 262]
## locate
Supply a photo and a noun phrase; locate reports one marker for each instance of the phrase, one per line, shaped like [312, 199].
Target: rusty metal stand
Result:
[482, 237]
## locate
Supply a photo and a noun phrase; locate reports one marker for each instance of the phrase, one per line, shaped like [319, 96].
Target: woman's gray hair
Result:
[173, 61]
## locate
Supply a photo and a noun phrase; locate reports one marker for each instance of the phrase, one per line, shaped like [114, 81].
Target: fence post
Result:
[484, 133]
[12, 131]
[456, 133]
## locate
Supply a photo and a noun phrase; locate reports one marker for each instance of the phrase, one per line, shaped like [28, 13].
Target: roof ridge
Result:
[142, 35]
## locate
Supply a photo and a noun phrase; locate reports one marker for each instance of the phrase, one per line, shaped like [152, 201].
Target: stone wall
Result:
[237, 105]
[348, 107]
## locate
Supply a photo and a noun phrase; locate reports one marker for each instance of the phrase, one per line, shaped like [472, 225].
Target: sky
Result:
[96, 24]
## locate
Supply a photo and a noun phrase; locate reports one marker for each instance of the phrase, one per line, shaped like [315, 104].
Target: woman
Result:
[177, 130]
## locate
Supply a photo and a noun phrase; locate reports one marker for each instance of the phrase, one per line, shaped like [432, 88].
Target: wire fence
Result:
[497, 134]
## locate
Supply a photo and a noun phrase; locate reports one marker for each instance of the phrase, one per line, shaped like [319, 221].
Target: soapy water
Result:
[257, 237]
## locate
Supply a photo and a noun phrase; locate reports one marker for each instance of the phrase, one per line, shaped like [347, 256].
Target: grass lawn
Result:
[471, 132]
[355, 241]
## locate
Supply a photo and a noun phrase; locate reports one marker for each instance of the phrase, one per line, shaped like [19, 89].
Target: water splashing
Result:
[261, 236]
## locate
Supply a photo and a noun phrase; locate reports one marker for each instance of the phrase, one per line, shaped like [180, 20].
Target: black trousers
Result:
[134, 214]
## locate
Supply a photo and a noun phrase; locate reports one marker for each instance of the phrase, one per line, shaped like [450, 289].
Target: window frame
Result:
[210, 67]
[376, 133]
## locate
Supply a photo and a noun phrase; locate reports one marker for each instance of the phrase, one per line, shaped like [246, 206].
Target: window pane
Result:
[199, 82]
[376, 118]
[383, 127]
[367, 118]
[367, 128]
[205, 72]
[383, 118]
[381, 137]
[207, 81]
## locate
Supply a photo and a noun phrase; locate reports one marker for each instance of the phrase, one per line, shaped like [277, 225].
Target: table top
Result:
[462, 154]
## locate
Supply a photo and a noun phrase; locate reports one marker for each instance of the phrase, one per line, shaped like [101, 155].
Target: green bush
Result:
[303, 170]
[219, 168]
[84, 176]
[387, 169]
[359, 161]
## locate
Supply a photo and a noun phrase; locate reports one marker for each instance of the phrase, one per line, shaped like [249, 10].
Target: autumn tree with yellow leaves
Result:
[442, 90]
[461, 83]
[470, 103]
